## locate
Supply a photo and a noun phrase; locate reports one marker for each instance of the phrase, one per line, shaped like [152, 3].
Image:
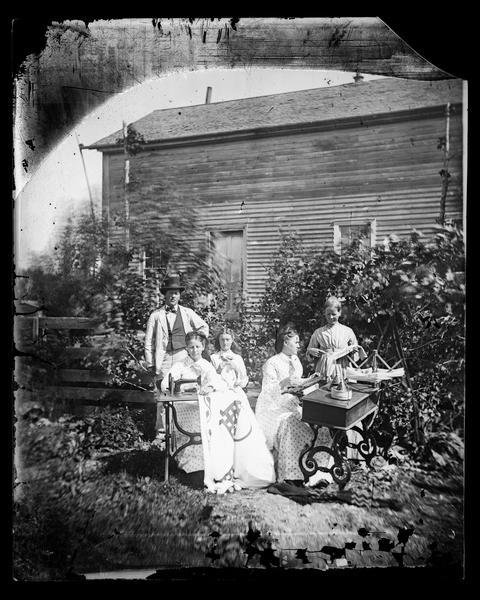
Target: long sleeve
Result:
[233, 372]
[346, 339]
[210, 378]
[359, 353]
[242, 377]
[197, 323]
[176, 372]
[149, 338]
[270, 379]
[271, 387]
[351, 338]
[313, 343]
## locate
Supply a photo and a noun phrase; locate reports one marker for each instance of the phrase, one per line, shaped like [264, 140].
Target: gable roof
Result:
[291, 108]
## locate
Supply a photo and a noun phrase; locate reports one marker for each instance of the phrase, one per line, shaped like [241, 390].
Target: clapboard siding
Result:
[306, 181]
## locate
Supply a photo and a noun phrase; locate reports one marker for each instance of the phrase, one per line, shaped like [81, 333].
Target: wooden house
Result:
[331, 164]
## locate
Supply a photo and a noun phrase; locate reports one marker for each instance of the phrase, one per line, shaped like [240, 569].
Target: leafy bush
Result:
[415, 286]
[445, 451]
[75, 437]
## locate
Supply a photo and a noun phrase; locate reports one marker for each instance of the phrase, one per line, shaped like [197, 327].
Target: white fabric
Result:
[156, 335]
[233, 446]
[169, 359]
[333, 340]
[337, 341]
[374, 376]
[231, 368]
[171, 317]
[279, 416]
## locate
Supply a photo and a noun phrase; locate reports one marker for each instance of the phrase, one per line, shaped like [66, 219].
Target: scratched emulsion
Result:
[83, 65]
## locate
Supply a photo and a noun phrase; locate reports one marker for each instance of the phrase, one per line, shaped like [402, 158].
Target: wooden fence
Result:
[88, 386]
[85, 385]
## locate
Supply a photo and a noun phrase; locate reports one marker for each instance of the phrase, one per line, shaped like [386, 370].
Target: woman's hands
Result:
[316, 352]
[313, 377]
[208, 389]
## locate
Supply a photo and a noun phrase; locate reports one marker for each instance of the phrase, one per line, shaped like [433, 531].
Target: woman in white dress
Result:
[235, 454]
[279, 414]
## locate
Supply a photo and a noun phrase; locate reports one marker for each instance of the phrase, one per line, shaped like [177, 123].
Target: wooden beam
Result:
[101, 394]
[83, 375]
[94, 376]
[67, 323]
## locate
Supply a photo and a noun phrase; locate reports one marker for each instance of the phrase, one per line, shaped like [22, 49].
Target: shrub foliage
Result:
[406, 294]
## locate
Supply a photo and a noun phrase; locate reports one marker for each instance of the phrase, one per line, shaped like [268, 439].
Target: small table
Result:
[319, 409]
[195, 438]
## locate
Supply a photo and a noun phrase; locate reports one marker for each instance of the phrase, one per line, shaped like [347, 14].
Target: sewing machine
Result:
[180, 390]
[354, 409]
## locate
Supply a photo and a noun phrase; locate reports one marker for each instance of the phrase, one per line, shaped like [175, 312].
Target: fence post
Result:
[35, 328]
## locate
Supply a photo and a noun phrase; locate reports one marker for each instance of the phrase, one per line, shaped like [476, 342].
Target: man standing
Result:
[166, 330]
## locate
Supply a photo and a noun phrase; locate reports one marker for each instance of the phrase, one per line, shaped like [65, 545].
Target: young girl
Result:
[229, 364]
[330, 340]
[235, 454]
[326, 344]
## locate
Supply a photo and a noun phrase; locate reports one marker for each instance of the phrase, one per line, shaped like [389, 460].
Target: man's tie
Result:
[171, 309]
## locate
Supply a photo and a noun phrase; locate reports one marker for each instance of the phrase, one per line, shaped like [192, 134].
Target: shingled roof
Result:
[306, 106]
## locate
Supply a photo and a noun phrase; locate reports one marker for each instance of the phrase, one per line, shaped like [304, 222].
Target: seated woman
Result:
[279, 414]
[235, 454]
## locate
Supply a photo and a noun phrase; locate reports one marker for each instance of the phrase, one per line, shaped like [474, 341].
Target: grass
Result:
[121, 514]
[116, 512]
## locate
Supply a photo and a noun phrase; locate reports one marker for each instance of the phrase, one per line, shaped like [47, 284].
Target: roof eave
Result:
[284, 129]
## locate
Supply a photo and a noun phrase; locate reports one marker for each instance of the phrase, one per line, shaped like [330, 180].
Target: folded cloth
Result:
[294, 492]
[327, 363]
[298, 493]
[303, 495]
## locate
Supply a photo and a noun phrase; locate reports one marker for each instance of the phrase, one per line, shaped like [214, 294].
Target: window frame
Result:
[337, 236]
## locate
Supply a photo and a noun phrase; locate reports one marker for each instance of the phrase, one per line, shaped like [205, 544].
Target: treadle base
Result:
[319, 409]
[339, 470]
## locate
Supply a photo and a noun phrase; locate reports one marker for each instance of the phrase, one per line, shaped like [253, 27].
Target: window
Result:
[228, 252]
[153, 260]
[347, 232]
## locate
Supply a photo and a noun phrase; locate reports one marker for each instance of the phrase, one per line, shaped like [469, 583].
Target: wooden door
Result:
[229, 258]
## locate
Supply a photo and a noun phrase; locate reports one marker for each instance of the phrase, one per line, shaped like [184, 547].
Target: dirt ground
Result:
[340, 529]
[397, 515]
[432, 509]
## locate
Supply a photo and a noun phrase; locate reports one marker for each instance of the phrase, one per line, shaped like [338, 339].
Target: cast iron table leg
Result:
[194, 437]
[167, 438]
[340, 470]
[367, 446]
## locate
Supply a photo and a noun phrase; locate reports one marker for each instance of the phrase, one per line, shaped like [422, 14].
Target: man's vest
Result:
[176, 335]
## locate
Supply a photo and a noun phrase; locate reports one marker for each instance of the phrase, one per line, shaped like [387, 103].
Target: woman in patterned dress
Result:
[279, 414]
[235, 454]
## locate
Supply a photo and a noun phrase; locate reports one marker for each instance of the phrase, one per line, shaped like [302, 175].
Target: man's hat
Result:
[171, 282]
